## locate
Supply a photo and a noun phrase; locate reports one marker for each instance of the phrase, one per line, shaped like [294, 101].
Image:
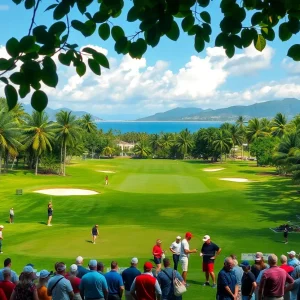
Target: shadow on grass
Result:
[195, 282]
[89, 241]
[277, 199]
[43, 223]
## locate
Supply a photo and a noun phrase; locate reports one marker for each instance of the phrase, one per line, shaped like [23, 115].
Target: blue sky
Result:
[171, 75]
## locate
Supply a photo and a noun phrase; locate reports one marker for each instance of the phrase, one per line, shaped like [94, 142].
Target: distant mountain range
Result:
[52, 112]
[290, 107]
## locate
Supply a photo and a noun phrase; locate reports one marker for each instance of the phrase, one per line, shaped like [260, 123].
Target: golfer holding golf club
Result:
[209, 252]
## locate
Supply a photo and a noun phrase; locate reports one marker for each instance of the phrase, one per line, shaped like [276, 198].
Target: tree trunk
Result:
[61, 158]
[64, 162]
[36, 165]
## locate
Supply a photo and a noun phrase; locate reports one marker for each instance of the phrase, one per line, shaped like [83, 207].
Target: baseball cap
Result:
[292, 252]
[93, 263]
[60, 266]
[1, 226]
[158, 241]
[258, 256]
[206, 238]
[245, 263]
[28, 269]
[148, 265]
[43, 274]
[134, 260]
[79, 259]
[178, 237]
[73, 268]
[188, 234]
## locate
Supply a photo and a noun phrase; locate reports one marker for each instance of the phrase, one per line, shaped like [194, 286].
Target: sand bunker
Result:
[67, 192]
[107, 171]
[213, 170]
[236, 179]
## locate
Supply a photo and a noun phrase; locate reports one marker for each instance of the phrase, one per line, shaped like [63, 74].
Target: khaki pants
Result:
[128, 296]
[77, 296]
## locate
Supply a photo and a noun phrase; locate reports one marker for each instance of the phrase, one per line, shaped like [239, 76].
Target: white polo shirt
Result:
[184, 246]
[176, 247]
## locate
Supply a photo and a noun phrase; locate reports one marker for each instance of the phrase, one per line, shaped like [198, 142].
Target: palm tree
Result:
[184, 142]
[39, 134]
[236, 136]
[266, 125]
[254, 130]
[166, 141]
[19, 114]
[108, 151]
[68, 133]
[222, 142]
[9, 133]
[226, 126]
[279, 125]
[241, 121]
[141, 149]
[154, 142]
[87, 123]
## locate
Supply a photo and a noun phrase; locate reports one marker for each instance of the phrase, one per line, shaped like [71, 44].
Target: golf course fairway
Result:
[146, 200]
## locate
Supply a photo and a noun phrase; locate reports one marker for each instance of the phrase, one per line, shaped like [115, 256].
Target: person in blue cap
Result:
[248, 282]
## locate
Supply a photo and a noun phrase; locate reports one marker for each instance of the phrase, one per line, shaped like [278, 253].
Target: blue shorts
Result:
[157, 260]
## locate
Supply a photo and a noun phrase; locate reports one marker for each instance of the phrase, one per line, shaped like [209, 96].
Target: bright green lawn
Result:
[146, 200]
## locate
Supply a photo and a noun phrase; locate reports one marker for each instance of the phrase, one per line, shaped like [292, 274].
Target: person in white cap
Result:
[292, 261]
[175, 249]
[129, 275]
[75, 281]
[1, 238]
[44, 276]
[81, 270]
[59, 287]
[209, 252]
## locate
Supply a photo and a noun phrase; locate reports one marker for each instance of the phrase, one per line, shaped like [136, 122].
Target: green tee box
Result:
[19, 192]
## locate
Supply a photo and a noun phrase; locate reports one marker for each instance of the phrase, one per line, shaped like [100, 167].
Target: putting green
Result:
[162, 184]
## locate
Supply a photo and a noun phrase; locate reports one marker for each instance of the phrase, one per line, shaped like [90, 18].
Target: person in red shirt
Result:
[2, 295]
[285, 266]
[6, 285]
[146, 286]
[157, 255]
[75, 281]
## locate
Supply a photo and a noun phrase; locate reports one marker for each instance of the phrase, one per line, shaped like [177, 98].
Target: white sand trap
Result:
[213, 170]
[236, 179]
[106, 171]
[67, 192]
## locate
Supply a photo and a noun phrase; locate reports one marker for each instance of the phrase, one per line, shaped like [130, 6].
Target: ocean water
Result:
[155, 127]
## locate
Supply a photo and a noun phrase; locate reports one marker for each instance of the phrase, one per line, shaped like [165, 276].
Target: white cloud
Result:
[132, 86]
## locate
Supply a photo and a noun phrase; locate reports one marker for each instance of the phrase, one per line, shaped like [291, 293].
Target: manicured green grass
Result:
[146, 200]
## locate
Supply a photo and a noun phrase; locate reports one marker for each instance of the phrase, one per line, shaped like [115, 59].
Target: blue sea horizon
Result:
[156, 126]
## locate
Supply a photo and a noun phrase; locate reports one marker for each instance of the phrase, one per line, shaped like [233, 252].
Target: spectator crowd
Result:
[271, 280]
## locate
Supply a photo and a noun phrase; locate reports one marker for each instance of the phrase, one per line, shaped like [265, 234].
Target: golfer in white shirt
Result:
[175, 249]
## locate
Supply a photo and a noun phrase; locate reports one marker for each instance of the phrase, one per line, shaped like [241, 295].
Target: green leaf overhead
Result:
[205, 16]
[101, 59]
[294, 52]
[94, 66]
[174, 33]
[104, 31]
[260, 42]
[39, 101]
[11, 96]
